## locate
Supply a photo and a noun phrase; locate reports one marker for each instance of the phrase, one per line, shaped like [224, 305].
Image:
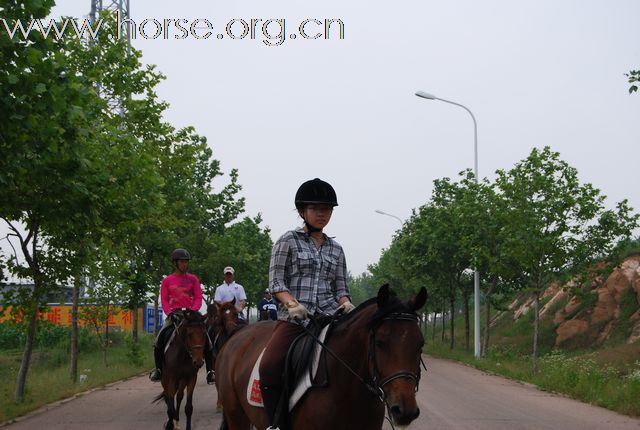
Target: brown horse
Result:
[222, 322]
[379, 346]
[182, 360]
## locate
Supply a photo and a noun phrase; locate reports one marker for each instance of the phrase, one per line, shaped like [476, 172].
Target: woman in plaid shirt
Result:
[307, 275]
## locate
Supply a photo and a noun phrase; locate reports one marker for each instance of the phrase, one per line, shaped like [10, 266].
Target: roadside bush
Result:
[12, 335]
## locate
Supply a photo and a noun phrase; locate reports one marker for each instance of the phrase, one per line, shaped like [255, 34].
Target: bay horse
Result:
[182, 359]
[380, 345]
[222, 322]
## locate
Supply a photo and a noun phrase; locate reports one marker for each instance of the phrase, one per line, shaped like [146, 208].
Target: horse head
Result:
[396, 343]
[228, 319]
[193, 334]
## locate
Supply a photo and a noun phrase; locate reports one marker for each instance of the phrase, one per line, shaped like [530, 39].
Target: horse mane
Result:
[392, 306]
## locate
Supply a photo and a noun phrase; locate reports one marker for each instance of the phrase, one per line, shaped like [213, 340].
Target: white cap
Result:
[229, 269]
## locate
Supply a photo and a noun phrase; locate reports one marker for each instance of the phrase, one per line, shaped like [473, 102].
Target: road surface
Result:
[451, 396]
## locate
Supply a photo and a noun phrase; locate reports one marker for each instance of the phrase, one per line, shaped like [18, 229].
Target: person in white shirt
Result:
[229, 290]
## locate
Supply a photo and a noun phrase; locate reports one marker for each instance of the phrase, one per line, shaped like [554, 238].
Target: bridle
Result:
[378, 383]
[376, 387]
[185, 341]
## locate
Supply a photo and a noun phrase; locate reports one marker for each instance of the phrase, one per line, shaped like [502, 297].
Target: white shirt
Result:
[226, 292]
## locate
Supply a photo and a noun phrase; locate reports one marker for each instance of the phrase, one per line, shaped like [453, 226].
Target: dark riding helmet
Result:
[180, 254]
[316, 191]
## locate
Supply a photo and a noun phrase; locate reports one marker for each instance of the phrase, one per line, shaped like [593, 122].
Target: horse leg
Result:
[188, 408]
[179, 397]
[168, 399]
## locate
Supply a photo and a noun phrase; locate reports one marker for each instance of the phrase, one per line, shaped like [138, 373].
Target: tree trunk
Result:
[485, 340]
[156, 322]
[467, 322]
[74, 329]
[134, 332]
[433, 326]
[452, 306]
[536, 331]
[28, 348]
[106, 338]
[443, 322]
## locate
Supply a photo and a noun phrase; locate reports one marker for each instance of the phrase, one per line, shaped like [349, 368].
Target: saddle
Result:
[302, 368]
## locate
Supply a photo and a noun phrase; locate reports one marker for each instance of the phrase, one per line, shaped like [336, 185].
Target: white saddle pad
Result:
[254, 395]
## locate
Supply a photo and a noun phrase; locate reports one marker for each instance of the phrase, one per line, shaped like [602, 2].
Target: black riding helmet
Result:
[315, 191]
[180, 254]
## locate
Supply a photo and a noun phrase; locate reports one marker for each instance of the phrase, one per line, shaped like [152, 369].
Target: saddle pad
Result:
[254, 395]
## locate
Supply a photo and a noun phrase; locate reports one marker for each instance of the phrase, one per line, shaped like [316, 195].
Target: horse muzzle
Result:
[403, 416]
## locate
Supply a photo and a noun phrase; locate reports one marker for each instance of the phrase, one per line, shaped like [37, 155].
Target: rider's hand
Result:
[297, 311]
[347, 307]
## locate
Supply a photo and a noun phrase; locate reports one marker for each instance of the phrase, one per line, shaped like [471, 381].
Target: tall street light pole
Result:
[378, 211]
[476, 274]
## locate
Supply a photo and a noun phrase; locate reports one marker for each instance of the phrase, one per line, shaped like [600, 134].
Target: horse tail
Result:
[158, 398]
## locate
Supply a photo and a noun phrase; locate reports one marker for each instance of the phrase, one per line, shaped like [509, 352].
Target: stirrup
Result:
[272, 428]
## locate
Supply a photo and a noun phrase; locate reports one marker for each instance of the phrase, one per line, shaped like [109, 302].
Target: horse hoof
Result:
[218, 409]
[176, 424]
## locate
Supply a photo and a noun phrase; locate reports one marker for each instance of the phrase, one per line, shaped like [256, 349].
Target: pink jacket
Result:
[180, 291]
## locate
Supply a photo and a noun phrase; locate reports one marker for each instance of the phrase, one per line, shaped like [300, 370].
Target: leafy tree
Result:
[634, 79]
[48, 125]
[362, 287]
[246, 246]
[554, 225]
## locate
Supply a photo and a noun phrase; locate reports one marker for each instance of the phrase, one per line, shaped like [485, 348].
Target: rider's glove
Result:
[297, 311]
[347, 307]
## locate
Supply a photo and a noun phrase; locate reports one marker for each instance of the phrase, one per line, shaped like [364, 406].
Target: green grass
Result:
[608, 376]
[48, 379]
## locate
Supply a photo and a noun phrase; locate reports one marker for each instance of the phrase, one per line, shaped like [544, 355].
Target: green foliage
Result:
[135, 353]
[634, 79]
[628, 306]
[50, 368]
[13, 335]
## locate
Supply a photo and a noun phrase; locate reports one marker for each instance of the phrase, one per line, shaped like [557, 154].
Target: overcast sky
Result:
[534, 73]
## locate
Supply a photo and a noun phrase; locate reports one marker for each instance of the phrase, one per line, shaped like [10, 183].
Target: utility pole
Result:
[120, 6]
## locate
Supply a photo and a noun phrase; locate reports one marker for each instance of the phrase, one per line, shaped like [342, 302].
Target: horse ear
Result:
[383, 295]
[420, 299]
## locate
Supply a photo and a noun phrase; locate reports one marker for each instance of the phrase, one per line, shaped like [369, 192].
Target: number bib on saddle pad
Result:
[254, 395]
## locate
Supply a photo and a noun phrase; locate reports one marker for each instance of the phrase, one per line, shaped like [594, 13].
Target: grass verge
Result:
[49, 379]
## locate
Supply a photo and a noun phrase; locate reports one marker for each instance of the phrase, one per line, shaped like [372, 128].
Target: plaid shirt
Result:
[317, 278]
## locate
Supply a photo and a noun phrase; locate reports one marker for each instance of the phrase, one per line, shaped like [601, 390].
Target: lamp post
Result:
[378, 211]
[476, 274]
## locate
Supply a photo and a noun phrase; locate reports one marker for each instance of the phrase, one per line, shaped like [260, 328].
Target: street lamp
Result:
[476, 274]
[378, 211]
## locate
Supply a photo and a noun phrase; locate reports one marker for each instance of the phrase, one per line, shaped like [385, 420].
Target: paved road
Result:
[451, 396]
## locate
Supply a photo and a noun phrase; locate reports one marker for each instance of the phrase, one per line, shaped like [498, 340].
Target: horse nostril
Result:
[404, 416]
[396, 411]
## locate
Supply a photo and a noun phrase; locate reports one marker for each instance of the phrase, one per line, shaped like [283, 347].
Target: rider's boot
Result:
[158, 356]
[271, 397]
[211, 376]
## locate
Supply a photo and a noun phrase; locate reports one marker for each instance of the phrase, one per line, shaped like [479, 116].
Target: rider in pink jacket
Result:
[179, 290]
